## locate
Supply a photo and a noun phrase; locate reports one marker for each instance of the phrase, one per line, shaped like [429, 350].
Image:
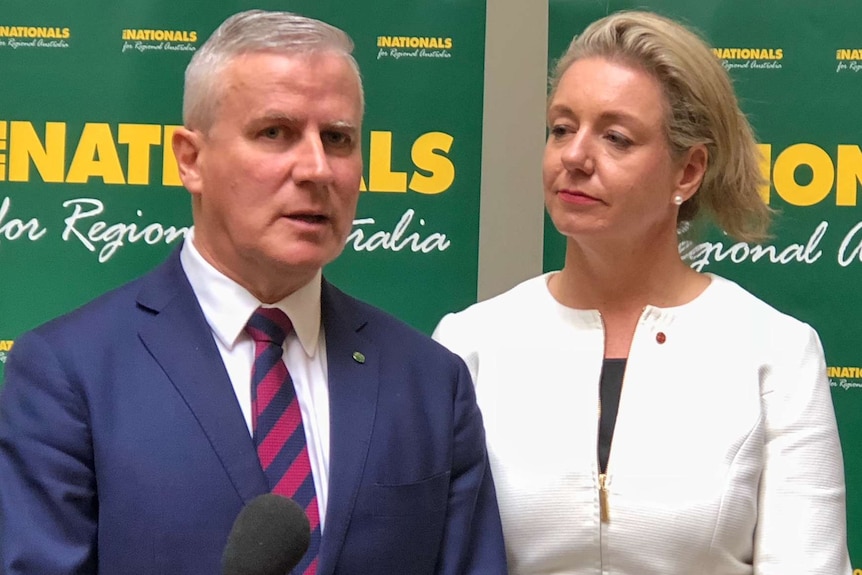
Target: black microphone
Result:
[269, 537]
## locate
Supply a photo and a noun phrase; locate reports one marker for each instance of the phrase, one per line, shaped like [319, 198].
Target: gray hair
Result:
[248, 32]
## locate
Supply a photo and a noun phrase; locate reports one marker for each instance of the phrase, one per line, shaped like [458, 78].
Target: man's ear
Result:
[694, 166]
[187, 146]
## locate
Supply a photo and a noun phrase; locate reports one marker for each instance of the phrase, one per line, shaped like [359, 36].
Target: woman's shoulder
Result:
[527, 294]
[497, 314]
[736, 304]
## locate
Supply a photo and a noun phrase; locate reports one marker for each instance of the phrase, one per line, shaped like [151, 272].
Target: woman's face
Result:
[607, 169]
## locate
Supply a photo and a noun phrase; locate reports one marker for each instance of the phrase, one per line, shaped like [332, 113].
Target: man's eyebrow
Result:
[342, 125]
[282, 118]
[279, 117]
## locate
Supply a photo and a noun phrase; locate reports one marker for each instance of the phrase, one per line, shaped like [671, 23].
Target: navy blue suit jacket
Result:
[123, 449]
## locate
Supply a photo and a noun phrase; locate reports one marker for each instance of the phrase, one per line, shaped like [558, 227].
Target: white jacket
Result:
[725, 457]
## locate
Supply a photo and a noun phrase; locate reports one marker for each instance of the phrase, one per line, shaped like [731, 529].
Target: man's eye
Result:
[272, 132]
[339, 139]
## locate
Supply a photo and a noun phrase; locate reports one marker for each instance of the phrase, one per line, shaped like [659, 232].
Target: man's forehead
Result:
[320, 69]
[290, 57]
[315, 67]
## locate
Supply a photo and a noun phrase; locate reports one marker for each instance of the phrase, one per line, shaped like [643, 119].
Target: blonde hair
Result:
[702, 109]
[254, 31]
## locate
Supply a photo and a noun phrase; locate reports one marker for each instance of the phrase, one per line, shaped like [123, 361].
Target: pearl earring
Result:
[677, 199]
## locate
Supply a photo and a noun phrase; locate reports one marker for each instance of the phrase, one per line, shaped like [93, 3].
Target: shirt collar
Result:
[228, 306]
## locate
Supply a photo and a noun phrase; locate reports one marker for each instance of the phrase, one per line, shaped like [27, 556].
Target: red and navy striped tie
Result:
[277, 424]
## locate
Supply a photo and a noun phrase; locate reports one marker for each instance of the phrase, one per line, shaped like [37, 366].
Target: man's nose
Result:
[312, 163]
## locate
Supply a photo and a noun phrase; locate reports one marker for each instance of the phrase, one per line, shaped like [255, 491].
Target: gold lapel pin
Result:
[358, 357]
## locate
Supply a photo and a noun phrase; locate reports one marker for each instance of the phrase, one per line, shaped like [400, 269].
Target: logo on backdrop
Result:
[149, 40]
[845, 378]
[411, 47]
[5, 347]
[123, 155]
[750, 58]
[848, 60]
[22, 37]
[835, 174]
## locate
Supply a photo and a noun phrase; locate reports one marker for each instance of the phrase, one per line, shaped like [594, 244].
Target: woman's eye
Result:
[559, 130]
[618, 139]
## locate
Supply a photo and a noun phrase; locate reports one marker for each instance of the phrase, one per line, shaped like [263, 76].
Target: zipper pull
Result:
[604, 505]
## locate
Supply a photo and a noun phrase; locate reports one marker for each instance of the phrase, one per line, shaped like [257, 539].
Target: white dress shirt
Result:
[227, 307]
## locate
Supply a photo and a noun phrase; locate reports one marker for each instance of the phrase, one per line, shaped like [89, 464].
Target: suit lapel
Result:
[353, 376]
[180, 339]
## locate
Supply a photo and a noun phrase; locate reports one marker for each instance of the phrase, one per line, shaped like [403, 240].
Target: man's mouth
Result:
[309, 218]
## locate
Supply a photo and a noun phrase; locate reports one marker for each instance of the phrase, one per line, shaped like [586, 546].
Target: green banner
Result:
[797, 68]
[89, 192]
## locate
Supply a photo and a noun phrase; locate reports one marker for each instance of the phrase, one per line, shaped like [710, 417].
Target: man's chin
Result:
[305, 261]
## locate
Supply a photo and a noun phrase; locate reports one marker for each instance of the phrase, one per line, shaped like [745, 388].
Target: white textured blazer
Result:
[725, 457]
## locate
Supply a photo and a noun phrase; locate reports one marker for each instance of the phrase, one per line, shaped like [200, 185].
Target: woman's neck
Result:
[624, 277]
[620, 281]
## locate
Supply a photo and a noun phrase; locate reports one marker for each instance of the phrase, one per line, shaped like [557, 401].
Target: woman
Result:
[643, 418]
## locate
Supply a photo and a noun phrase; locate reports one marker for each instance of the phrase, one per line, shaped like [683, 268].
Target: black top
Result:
[610, 386]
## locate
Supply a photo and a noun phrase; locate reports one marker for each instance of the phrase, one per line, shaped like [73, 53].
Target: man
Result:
[133, 430]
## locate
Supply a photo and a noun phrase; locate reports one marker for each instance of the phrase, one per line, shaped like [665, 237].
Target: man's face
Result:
[276, 177]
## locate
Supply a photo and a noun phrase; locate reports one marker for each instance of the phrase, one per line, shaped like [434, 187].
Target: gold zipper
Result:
[604, 505]
[603, 498]
[604, 495]
[604, 511]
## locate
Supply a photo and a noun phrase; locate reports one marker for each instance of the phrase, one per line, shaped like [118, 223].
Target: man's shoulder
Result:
[102, 315]
[379, 325]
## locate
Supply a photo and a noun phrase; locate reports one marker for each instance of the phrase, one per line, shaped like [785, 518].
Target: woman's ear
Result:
[694, 164]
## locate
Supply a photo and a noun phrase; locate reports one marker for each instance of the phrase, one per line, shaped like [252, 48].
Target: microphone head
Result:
[269, 537]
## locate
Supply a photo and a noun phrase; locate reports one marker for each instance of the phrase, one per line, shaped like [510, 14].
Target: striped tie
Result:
[277, 423]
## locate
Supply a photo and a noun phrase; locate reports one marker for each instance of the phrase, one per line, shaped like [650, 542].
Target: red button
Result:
[660, 337]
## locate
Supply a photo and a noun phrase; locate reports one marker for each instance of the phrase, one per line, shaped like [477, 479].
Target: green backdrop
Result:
[89, 196]
[797, 68]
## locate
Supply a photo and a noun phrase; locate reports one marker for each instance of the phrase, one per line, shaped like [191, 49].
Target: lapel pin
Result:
[358, 357]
